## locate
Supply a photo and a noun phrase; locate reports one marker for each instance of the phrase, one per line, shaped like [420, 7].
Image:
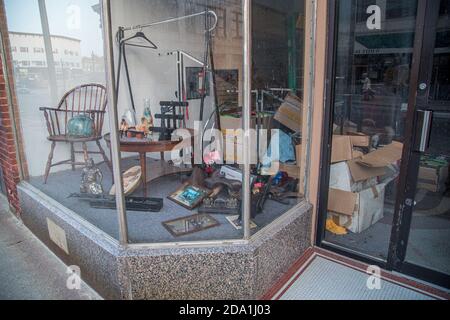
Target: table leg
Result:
[143, 158]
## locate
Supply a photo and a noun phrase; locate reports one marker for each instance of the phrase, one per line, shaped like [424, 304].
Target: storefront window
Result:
[179, 86]
[59, 74]
[278, 88]
[185, 75]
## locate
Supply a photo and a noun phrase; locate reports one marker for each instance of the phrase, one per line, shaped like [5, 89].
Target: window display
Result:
[179, 85]
[167, 57]
[62, 101]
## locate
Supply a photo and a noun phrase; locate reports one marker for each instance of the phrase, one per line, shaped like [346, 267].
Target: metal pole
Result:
[127, 73]
[114, 120]
[208, 12]
[48, 51]
[246, 115]
[310, 93]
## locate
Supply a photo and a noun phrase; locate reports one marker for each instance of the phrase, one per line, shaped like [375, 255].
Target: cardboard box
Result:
[384, 156]
[342, 149]
[360, 140]
[233, 122]
[357, 211]
[375, 163]
[432, 178]
[357, 154]
[341, 179]
[290, 113]
[362, 173]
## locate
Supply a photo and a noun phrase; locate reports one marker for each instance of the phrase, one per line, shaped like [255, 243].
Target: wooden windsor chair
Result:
[89, 100]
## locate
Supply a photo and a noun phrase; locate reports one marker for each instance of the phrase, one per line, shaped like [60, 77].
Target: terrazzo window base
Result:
[225, 271]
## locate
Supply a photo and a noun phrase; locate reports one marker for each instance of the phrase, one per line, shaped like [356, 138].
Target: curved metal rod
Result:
[210, 12]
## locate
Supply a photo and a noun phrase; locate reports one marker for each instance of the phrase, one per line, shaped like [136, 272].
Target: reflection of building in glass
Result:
[93, 64]
[97, 9]
[29, 55]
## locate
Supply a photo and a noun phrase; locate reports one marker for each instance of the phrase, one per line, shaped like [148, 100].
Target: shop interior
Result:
[179, 70]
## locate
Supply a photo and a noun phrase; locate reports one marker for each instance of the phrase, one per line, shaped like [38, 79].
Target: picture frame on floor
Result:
[191, 224]
[189, 196]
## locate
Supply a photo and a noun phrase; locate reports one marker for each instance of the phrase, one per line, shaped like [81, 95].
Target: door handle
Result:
[425, 122]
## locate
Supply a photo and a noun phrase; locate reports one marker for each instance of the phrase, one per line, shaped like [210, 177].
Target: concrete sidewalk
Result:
[28, 270]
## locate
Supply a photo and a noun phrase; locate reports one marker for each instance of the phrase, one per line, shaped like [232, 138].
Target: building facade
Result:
[30, 58]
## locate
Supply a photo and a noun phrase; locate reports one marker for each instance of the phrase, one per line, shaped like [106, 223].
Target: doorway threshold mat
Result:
[324, 279]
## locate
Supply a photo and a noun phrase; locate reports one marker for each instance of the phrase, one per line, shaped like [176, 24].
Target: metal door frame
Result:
[426, 29]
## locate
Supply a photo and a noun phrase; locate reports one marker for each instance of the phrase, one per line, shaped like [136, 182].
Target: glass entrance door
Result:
[423, 246]
[386, 196]
[373, 58]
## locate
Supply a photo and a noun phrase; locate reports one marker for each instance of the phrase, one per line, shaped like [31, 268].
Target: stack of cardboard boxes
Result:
[358, 179]
[433, 173]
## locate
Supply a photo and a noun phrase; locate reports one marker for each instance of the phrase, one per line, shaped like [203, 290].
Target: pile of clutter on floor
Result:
[360, 172]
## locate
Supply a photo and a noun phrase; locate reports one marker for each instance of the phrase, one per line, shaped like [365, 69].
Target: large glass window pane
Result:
[278, 39]
[179, 68]
[165, 86]
[59, 72]
[177, 71]
[373, 64]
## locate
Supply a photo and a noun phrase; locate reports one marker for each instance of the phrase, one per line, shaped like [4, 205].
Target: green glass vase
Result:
[81, 126]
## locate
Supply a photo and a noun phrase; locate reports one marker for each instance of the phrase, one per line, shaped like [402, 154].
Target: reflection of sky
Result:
[23, 16]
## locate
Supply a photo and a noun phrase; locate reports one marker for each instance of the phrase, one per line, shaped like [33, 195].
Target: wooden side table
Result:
[144, 146]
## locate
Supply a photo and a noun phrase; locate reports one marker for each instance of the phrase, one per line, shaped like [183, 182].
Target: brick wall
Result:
[8, 154]
[11, 143]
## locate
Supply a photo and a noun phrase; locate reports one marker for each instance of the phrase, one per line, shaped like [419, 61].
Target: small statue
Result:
[143, 127]
[123, 127]
[91, 179]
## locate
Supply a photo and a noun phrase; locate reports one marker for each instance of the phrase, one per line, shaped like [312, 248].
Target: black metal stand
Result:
[209, 60]
[169, 118]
